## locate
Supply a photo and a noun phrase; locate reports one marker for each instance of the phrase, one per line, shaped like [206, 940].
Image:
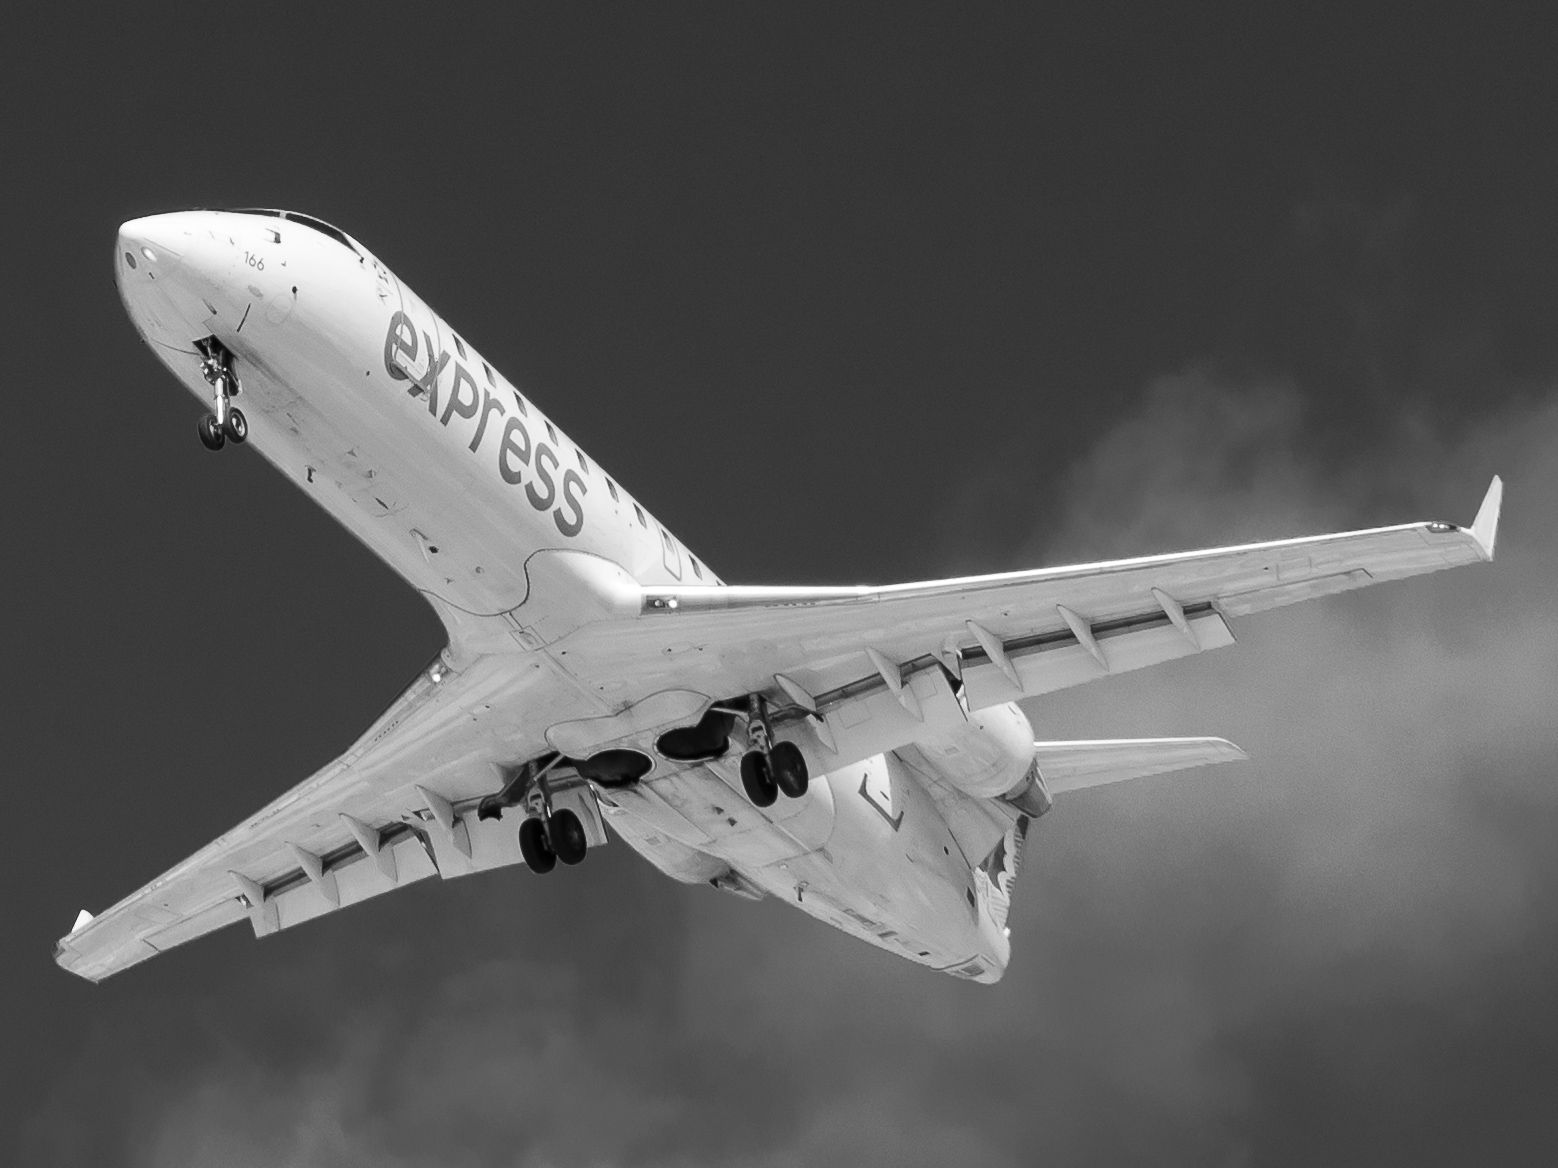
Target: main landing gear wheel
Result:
[788, 766]
[566, 835]
[535, 847]
[757, 779]
[212, 436]
[769, 767]
[237, 428]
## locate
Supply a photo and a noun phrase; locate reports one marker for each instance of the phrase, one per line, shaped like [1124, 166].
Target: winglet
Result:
[1484, 528]
[83, 918]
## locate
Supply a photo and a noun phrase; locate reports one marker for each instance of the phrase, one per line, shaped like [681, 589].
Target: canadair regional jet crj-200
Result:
[853, 751]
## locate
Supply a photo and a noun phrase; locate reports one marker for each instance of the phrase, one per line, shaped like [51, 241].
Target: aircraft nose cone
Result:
[156, 240]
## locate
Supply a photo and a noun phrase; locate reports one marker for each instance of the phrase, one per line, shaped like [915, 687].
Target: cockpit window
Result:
[308, 221]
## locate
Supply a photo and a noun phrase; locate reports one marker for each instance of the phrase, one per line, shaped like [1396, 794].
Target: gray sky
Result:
[887, 296]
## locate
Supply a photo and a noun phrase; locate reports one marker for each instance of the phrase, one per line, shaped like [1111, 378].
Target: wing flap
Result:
[1075, 766]
[1046, 663]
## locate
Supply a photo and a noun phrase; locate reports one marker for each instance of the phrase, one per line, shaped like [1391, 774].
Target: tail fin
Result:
[1000, 870]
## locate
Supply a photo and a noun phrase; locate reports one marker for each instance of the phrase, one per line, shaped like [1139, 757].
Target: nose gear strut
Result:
[226, 421]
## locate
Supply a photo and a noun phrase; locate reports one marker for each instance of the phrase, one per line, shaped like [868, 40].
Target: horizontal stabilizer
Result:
[1072, 766]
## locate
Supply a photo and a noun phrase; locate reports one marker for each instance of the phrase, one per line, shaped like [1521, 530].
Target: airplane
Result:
[856, 752]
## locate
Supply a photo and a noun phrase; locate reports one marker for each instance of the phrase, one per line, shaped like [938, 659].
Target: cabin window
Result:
[584, 463]
[696, 570]
[520, 402]
[460, 345]
[639, 511]
[487, 369]
[611, 489]
[551, 432]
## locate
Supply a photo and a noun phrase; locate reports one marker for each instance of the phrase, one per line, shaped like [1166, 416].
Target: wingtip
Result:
[1484, 528]
[83, 919]
[1231, 751]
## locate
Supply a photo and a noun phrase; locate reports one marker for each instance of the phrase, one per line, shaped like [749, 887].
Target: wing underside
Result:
[400, 806]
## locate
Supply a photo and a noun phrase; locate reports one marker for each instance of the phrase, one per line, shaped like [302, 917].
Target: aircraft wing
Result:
[397, 807]
[875, 654]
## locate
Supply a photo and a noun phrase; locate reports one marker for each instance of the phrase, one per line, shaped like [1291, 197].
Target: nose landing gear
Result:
[226, 422]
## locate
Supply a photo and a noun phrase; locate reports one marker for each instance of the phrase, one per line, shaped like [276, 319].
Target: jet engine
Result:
[989, 755]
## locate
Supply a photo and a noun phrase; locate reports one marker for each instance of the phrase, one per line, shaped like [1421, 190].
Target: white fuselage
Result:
[391, 421]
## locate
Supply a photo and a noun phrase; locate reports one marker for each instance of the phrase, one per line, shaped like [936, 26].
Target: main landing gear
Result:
[551, 836]
[226, 422]
[770, 768]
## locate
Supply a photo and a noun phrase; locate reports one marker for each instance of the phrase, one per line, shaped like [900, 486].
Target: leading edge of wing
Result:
[1479, 538]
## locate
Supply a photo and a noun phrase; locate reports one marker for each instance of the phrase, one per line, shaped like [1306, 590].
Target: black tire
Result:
[533, 845]
[757, 778]
[211, 436]
[237, 427]
[788, 765]
[567, 837]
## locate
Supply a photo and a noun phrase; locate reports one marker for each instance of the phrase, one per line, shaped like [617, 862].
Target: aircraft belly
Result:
[892, 865]
[866, 850]
[707, 798]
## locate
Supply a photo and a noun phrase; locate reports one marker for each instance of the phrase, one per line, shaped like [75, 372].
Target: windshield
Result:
[308, 221]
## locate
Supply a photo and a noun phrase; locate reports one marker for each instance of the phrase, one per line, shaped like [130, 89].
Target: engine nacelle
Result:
[988, 756]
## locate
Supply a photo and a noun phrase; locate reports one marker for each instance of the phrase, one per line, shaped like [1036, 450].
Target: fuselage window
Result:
[639, 511]
[487, 369]
[611, 489]
[696, 570]
[584, 463]
[551, 432]
[520, 402]
[460, 345]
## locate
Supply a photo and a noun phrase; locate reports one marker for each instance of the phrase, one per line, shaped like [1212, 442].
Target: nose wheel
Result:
[225, 423]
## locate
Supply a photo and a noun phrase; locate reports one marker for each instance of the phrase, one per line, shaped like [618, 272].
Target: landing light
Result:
[149, 254]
